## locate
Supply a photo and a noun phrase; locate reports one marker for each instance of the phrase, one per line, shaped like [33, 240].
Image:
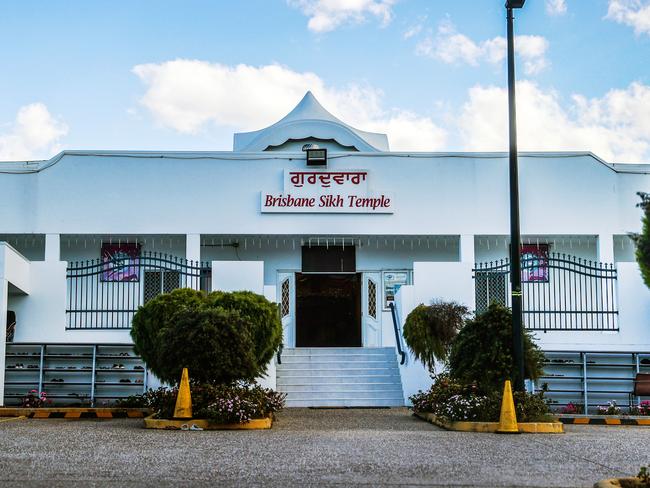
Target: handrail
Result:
[398, 338]
[278, 354]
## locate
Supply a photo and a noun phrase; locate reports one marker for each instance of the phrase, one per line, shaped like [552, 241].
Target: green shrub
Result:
[220, 337]
[482, 351]
[642, 240]
[262, 316]
[430, 329]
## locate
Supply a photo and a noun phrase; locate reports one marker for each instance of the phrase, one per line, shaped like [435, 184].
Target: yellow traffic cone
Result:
[183, 408]
[508, 418]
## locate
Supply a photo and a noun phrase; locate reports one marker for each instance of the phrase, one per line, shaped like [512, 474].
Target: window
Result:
[157, 282]
[490, 287]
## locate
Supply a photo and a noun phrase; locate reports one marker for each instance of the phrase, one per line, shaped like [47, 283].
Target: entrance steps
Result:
[340, 377]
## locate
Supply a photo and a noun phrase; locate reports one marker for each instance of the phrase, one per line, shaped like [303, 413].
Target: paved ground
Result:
[312, 448]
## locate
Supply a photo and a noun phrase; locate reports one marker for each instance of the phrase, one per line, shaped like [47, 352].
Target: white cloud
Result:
[634, 13]
[35, 134]
[327, 15]
[452, 47]
[615, 126]
[556, 7]
[416, 28]
[192, 95]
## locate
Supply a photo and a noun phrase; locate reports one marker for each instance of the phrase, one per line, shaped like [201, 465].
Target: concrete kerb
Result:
[152, 422]
[74, 413]
[620, 483]
[604, 420]
[492, 427]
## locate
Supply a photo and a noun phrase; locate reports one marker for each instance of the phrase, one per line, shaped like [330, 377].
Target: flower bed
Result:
[238, 404]
[451, 401]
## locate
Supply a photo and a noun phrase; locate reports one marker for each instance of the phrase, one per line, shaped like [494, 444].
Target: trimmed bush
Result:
[429, 330]
[642, 240]
[221, 337]
[482, 351]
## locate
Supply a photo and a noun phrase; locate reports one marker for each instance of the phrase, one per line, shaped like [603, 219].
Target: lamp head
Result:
[515, 3]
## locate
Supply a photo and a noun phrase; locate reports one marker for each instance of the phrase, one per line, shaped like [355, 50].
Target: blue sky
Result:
[172, 75]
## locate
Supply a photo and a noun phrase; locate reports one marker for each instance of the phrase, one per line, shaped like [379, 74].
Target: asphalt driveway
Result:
[312, 448]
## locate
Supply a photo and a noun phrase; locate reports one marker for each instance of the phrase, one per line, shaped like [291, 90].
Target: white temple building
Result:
[328, 222]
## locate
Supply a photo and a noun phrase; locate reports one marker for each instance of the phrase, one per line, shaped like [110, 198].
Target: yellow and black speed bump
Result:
[605, 421]
[75, 413]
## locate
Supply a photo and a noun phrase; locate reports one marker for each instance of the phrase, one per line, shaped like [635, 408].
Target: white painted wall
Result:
[434, 194]
[238, 276]
[445, 281]
[14, 268]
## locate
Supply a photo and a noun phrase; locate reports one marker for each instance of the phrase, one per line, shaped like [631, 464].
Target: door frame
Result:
[368, 327]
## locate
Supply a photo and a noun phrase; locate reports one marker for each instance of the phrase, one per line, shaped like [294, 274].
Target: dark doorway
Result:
[328, 310]
[328, 259]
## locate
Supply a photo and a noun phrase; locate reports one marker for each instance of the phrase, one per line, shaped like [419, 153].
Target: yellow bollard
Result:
[508, 418]
[183, 408]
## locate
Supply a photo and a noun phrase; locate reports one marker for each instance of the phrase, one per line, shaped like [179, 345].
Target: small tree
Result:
[482, 351]
[642, 240]
[430, 329]
[220, 337]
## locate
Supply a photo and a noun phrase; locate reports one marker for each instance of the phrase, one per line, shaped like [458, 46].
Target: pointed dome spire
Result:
[309, 119]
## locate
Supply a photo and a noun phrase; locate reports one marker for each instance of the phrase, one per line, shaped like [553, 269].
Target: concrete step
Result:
[314, 351]
[332, 379]
[347, 388]
[357, 402]
[340, 377]
[334, 358]
[306, 371]
[345, 395]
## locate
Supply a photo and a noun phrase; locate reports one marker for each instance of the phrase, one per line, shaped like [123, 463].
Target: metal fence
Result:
[559, 292]
[592, 379]
[105, 294]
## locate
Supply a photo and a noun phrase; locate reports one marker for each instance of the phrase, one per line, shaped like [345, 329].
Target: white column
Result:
[193, 247]
[467, 248]
[193, 253]
[52, 247]
[606, 248]
[4, 299]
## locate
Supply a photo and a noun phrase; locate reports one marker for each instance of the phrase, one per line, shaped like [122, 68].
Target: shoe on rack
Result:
[645, 361]
[125, 380]
[138, 367]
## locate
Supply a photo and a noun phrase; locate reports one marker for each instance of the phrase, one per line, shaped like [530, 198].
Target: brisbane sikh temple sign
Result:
[316, 191]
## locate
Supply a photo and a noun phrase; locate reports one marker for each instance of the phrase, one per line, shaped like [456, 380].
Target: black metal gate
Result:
[105, 294]
[560, 292]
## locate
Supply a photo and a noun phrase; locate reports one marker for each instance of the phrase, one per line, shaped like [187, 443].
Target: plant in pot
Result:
[429, 330]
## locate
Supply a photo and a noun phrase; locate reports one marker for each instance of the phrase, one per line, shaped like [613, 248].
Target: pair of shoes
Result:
[126, 354]
[32, 366]
[125, 380]
[118, 366]
[55, 380]
[72, 367]
[138, 367]
[191, 427]
[645, 361]
[139, 381]
[17, 366]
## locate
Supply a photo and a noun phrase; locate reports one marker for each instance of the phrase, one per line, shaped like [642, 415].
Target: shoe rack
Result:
[85, 375]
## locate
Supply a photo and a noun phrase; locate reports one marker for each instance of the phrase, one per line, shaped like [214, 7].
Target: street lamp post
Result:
[515, 237]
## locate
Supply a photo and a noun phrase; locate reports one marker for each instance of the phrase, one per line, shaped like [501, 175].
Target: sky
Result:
[185, 75]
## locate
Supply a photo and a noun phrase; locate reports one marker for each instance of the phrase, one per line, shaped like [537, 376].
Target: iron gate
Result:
[559, 292]
[96, 299]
